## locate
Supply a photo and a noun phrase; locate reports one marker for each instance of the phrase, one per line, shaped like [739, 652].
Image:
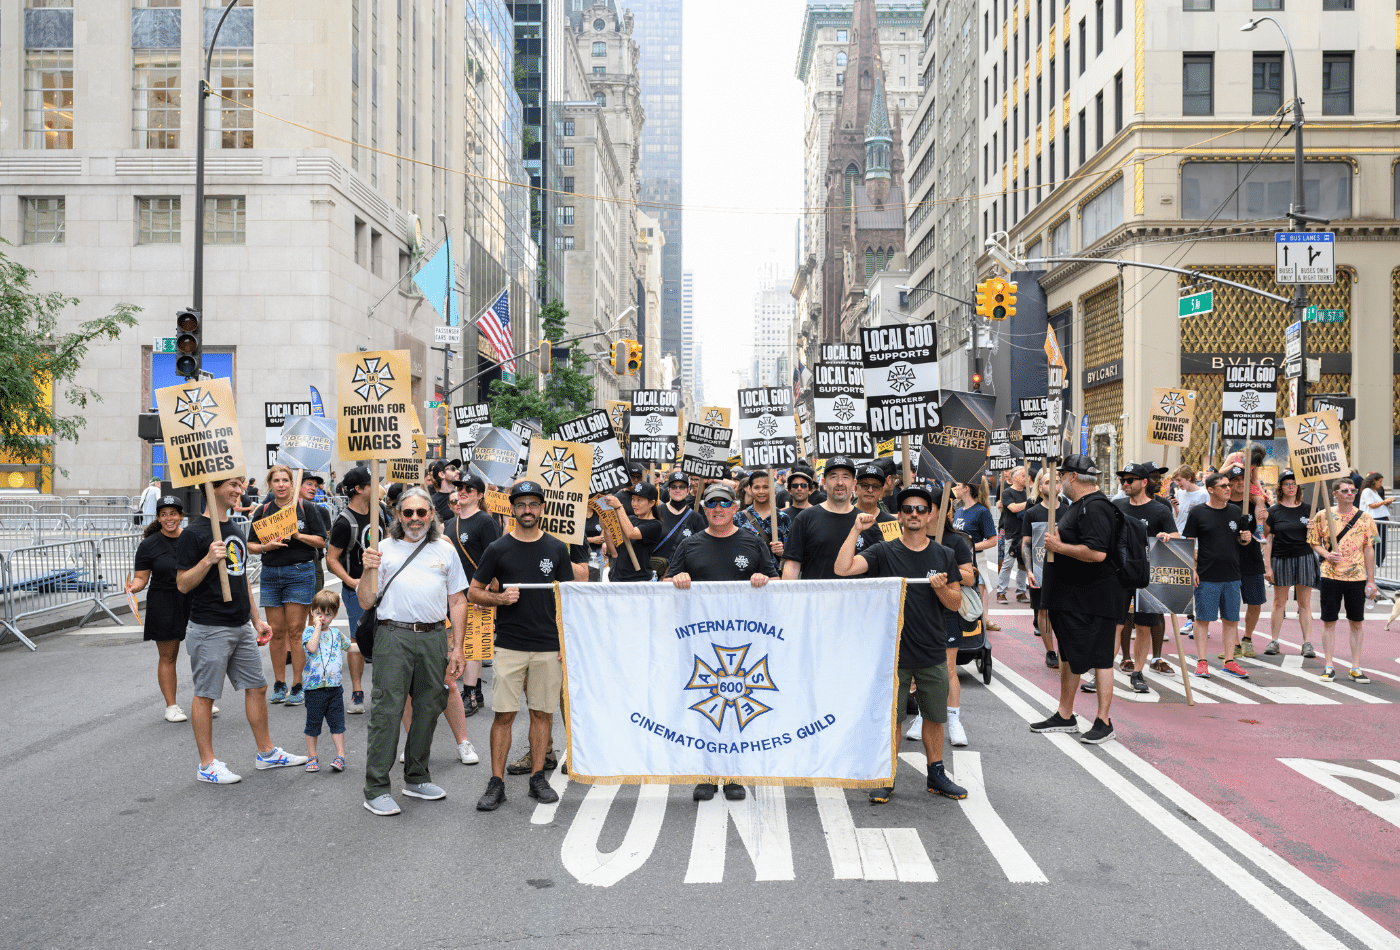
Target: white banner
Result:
[724, 681]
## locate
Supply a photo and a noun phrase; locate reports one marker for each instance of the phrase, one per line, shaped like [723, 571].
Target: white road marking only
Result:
[580, 852]
[1329, 775]
[1293, 666]
[1015, 860]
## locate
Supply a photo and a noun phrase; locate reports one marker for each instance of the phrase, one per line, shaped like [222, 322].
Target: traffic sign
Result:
[1314, 315]
[1195, 304]
[451, 336]
[1293, 351]
[1304, 257]
[507, 377]
[164, 344]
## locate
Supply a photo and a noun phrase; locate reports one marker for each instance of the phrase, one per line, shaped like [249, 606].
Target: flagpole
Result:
[445, 407]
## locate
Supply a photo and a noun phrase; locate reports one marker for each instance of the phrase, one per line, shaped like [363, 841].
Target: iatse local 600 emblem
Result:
[731, 685]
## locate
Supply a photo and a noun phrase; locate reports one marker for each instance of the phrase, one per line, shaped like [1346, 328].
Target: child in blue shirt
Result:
[325, 699]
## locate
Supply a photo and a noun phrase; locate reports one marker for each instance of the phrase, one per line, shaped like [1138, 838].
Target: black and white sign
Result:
[838, 389]
[955, 448]
[1249, 402]
[652, 425]
[1304, 257]
[806, 429]
[495, 457]
[274, 417]
[706, 450]
[525, 430]
[595, 429]
[1343, 406]
[1037, 435]
[767, 427]
[901, 379]
[1293, 351]
[1002, 455]
[1171, 575]
[470, 421]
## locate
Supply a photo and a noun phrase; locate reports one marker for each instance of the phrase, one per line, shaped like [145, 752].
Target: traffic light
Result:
[619, 356]
[984, 298]
[977, 375]
[1003, 302]
[189, 333]
[545, 352]
[634, 357]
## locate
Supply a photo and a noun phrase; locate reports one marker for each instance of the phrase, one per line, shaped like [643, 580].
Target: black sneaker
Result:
[539, 788]
[1052, 659]
[735, 792]
[494, 796]
[1088, 684]
[1139, 684]
[940, 784]
[878, 796]
[1056, 723]
[704, 791]
[1102, 732]
[470, 707]
[480, 699]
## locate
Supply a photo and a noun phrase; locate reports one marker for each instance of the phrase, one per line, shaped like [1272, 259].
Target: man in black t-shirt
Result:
[923, 644]
[1253, 591]
[1083, 596]
[1160, 521]
[1013, 503]
[470, 532]
[1221, 531]
[223, 635]
[527, 655]
[442, 476]
[349, 536]
[817, 532]
[678, 519]
[799, 485]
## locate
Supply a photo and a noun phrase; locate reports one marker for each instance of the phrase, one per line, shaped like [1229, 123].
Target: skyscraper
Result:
[689, 375]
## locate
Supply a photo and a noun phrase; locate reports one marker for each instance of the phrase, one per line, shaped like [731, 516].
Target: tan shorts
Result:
[539, 675]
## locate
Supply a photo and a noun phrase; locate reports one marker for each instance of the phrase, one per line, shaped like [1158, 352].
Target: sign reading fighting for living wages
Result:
[617, 411]
[901, 378]
[202, 443]
[706, 451]
[470, 421]
[1249, 402]
[1316, 447]
[308, 443]
[838, 389]
[722, 680]
[767, 429]
[373, 420]
[563, 470]
[609, 467]
[653, 425]
[1169, 416]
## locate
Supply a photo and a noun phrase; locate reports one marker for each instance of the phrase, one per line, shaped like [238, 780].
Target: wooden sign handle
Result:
[371, 574]
[773, 503]
[631, 553]
[1053, 503]
[908, 469]
[943, 512]
[211, 503]
[700, 492]
[1181, 661]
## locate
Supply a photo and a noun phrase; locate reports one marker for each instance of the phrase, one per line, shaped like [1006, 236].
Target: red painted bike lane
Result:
[1228, 753]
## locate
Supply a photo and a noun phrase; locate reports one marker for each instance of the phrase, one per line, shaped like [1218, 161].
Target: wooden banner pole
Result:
[943, 512]
[371, 574]
[1181, 661]
[211, 503]
[700, 492]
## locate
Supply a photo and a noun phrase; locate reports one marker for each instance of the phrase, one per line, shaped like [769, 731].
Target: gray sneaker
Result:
[1308, 650]
[1271, 649]
[424, 790]
[383, 805]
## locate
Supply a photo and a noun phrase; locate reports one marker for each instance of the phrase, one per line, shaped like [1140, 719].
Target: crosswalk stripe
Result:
[1341, 662]
[1293, 666]
[1015, 860]
[875, 855]
[559, 781]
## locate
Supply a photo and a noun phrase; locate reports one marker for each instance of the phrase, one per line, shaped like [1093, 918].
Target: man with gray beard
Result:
[413, 656]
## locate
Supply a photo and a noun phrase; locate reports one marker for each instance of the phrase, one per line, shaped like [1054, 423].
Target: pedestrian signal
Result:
[189, 334]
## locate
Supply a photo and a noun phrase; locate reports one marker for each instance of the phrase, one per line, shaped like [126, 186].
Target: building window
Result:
[567, 155]
[1397, 80]
[1068, 60]
[1083, 45]
[1051, 71]
[986, 100]
[841, 58]
[44, 220]
[1395, 174]
[155, 98]
[1117, 17]
[600, 100]
[229, 124]
[841, 36]
[1197, 84]
[568, 187]
[1065, 138]
[1336, 81]
[1098, 121]
[563, 242]
[1268, 83]
[48, 98]
[157, 220]
[869, 263]
[1242, 191]
[865, 80]
[1059, 239]
[1083, 137]
[225, 220]
[840, 79]
[1268, 4]
[564, 214]
[1198, 6]
[849, 185]
[1051, 166]
[1098, 27]
[1118, 102]
[599, 70]
[600, 49]
[568, 126]
[1102, 214]
[1338, 4]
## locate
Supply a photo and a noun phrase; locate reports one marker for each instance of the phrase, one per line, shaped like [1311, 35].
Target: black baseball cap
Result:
[678, 478]
[870, 470]
[842, 461]
[1233, 471]
[471, 481]
[1140, 470]
[645, 490]
[718, 489]
[1079, 464]
[170, 501]
[635, 468]
[527, 487]
[911, 491]
[1287, 475]
[356, 477]
[316, 477]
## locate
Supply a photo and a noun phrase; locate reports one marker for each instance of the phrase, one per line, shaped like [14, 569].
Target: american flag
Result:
[494, 322]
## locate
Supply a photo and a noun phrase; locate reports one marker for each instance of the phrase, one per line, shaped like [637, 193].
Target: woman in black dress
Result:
[167, 610]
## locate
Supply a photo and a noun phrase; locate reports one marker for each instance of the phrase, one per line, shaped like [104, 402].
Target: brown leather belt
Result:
[415, 627]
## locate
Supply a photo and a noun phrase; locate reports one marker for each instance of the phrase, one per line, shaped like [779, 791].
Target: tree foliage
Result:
[568, 392]
[37, 365]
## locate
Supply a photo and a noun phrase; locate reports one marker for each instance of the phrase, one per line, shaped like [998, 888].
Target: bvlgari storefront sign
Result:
[1218, 362]
[1100, 375]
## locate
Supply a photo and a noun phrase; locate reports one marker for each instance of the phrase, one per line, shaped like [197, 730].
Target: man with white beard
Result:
[413, 655]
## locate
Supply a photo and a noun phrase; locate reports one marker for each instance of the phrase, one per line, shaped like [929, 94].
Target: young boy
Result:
[325, 700]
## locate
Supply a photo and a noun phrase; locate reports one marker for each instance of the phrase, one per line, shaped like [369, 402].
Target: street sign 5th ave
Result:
[1196, 304]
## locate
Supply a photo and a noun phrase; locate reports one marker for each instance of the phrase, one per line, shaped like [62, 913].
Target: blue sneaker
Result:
[279, 693]
[296, 697]
[1187, 627]
[278, 758]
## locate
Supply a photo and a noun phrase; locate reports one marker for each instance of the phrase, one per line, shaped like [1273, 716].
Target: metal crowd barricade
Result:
[1388, 573]
[116, 557]
[49, 577]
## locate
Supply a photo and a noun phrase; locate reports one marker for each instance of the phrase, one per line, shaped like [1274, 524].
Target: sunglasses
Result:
[914, 509]
[415, 512]
[719, 503]
[1344, 491]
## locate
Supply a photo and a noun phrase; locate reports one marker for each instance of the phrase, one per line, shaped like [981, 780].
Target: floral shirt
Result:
[1352, 546]
[749, 519]
[323, 666]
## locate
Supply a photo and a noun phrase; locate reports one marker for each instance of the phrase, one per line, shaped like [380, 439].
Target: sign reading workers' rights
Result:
[1315, 445]
[767, 428]
[609, 467]
[838, 392]
[901, 379]
[563, 470]
[706, 451]
[1249, 402]
[202, 443]
[653, 425]
[374, 420]
[1169, 416]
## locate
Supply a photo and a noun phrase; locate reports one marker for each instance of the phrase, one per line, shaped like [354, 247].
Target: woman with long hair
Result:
[1289, 561]
[974, 519]
[1374, 504]
[167, 610]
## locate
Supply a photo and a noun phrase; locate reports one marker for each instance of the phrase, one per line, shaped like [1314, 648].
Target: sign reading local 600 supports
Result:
[1315, 444]
[202, 443]
[375, 418]
[767, 429]
[901, 379]
[1169, 416]
[563, 469]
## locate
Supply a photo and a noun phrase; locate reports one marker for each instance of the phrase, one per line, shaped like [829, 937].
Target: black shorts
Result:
[1085, 642]
[1140, 618]
[1336, 593]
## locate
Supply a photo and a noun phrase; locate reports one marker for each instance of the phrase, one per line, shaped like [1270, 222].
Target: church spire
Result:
[879, 142]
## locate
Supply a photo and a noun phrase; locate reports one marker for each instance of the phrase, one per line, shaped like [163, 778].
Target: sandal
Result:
[312, 765]
[1160, 666]
[987, 624]
[1127, 666]
[338, 764]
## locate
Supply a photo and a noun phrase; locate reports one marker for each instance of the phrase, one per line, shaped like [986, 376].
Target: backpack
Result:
[1128, 553]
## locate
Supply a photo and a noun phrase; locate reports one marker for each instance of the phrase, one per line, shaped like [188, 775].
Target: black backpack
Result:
[1128, 553]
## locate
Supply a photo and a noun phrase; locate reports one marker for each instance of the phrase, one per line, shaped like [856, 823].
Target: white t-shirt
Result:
[149, 497]
[1369, 497]
[420, 596]
[1185, 501]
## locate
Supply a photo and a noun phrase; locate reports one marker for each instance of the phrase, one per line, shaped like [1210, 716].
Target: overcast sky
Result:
[742, 140]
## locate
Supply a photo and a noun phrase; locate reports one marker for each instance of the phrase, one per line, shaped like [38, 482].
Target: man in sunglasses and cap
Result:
[442, 476]
[722, 552]
[1160, 521]
[923, 648]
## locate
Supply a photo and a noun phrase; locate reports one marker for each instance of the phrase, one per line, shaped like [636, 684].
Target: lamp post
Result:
[446, 346]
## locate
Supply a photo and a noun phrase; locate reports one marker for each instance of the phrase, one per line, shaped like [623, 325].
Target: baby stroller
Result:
[975, 648]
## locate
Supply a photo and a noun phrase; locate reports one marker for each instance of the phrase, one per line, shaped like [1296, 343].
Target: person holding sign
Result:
[1013, 503]
[1221, 531]
[1344, 537]
[1039, 513]
[288, 579]
[923, 658]
[167, 610]
[1289, 561]
[349, 537]
[758, 517]
[642, 529]
[1157, 517]
[222, 636]
[678, 519]
[471, 532]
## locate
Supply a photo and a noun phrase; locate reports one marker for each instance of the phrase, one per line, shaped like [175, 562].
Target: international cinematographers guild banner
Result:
[791, 684]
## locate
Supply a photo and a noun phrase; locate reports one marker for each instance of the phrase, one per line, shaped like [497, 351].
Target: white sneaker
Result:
[916, 728]
[956, 734]
[173, 714]
[466, 753]
[213, 711]
[217, 773]
[278, 758]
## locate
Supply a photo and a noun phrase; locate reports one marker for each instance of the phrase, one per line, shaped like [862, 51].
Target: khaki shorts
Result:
[539, 675]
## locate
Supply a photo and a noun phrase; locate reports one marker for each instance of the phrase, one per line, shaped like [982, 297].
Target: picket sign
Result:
[611, 522]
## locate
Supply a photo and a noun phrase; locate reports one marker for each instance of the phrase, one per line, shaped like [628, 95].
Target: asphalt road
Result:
[1190, 831]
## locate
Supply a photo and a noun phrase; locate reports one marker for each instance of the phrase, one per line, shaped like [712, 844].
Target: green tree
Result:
[567, 393]
[37, 364]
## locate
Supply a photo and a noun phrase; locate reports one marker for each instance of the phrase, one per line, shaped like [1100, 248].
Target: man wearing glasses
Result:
[799, 486]
[817, 532]
[1348, 571]
[1221, 530]
[923, 652]
[413, 655]
[720, 553]
[527, 638]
